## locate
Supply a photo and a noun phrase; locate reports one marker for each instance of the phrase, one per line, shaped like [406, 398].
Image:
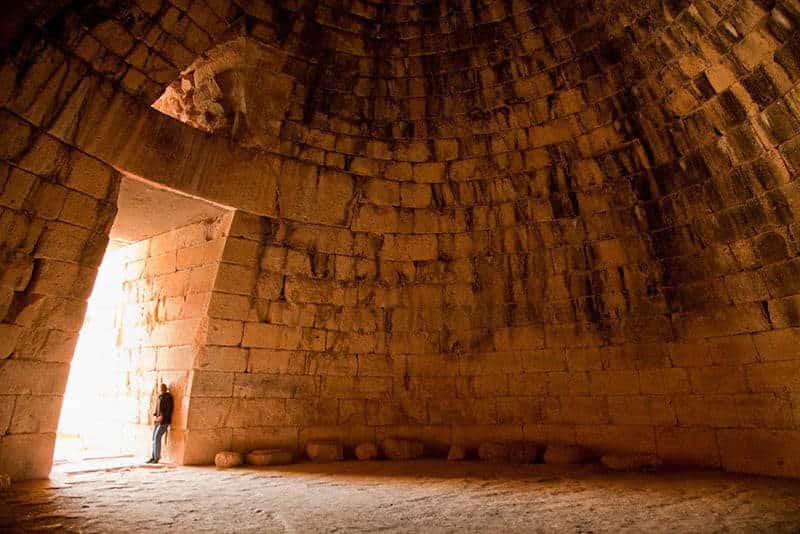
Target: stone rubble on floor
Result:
[269, 457]
[565, 455]
[400, 449]
[325, 451]
[456, 453]
[228, 459]
[366, 451]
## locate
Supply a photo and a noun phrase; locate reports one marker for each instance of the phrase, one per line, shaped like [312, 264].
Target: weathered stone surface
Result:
[366, 451]
[438, 492]
[456, 453]
[269, 457]
[494, 452]
[630, 462]
[227, 459]
[508, 452]
[610, 224]
[325, 451]
[402, 449]
[565, 454]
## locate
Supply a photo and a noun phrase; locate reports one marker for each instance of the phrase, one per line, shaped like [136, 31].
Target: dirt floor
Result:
[421, 496]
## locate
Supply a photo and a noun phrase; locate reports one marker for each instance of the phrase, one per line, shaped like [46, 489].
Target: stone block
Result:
[760, 451]
[377, 387]
[401, 449]
[208, 413]
[565, 455]
[269, 457]
[382, 192]
[9, 335]
[415, 195]
[254, 412]
[641, 410]
[26, 456]
[228, 459]
[312, 411]
[227, 278]
[6, 411]
[616, 438]
[324, 451]
[665, 381]
[89, 175]
[212, 384]
[778, 344]
[718, 379]
[267, 361]
[688, 446]
[622, 382]
[180, 332]
[409, 248]
[352, 411]
[222, 332]
[446, 149]
[774, 376]
[270, 336]
[216, 358]
[266, 437]
[400, 171]
[274, 385]
[366, 451]
[456, 453]
[197, 446]
[241, 251]
[79, 209]
[18, 186]
[203, 254]
[35, 414]
[26, 377]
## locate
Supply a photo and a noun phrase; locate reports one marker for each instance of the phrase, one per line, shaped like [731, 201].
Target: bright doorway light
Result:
[95, 412]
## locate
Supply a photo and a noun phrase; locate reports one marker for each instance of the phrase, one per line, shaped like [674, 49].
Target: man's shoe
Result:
[150, 461]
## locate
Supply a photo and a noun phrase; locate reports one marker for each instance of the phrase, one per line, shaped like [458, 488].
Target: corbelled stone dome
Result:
[550, 221]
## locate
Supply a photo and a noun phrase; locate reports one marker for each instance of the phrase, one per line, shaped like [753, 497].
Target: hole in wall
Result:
[115, 370]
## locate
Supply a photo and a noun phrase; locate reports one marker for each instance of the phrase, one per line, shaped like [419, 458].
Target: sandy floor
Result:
[422, 496]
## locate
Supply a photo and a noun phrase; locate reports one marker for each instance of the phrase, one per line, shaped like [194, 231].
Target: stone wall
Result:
[56, 206]
[146, 324]
[714, 88]
[167, 287]
[551, 268]
[554, 221]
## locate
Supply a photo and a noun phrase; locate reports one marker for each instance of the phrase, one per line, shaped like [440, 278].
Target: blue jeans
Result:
[158, 432]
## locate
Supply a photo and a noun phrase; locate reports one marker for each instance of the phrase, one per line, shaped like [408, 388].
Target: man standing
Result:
[163, 417]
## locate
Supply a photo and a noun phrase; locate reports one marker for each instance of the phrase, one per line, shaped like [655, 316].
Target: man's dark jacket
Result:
[164, 408]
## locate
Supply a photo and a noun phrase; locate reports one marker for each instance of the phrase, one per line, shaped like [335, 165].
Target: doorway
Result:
[139, 325]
